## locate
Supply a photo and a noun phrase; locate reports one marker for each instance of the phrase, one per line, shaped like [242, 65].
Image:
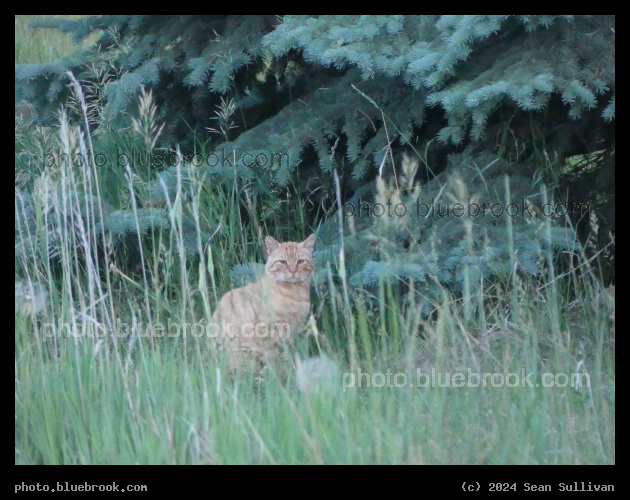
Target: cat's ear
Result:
[309, 243]
[271, 245]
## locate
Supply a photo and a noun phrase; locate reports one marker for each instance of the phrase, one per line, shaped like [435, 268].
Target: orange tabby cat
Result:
[256, 322]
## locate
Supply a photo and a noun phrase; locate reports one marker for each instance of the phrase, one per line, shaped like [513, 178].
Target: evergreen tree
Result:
[346, 94]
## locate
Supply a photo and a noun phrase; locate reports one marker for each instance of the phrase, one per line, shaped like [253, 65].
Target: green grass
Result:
[44, 44]
[103, 399]
[87, 405]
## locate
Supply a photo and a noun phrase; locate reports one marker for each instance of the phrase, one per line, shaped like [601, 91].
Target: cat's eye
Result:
[301, 261]
[284, 262]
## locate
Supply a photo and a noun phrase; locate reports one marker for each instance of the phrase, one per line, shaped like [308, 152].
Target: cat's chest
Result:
[290, 310]
[269, 304]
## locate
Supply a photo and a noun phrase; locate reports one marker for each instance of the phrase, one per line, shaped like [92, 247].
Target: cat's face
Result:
[290, 262]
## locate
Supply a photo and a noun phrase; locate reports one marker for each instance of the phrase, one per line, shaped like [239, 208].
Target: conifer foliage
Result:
[342, 93]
